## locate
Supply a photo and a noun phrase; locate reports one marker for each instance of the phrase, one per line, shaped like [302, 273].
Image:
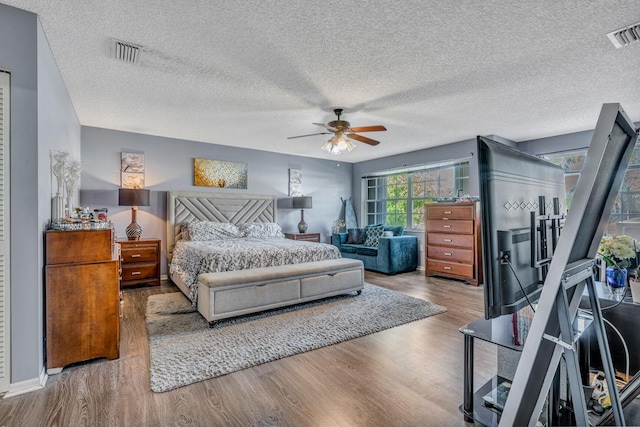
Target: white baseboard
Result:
[420, 268]
[164, 277]
[27, 386]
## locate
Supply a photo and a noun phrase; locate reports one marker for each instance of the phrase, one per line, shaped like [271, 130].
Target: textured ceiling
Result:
[252, 73]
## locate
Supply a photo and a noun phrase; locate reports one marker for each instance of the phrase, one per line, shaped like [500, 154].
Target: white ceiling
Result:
[252, 73]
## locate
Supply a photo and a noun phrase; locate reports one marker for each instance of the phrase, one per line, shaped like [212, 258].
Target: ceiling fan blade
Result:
[311, 134]
[363, 139]
[332, 129]
[377, 128]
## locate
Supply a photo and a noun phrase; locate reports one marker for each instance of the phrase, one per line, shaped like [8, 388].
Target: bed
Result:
[220, 232]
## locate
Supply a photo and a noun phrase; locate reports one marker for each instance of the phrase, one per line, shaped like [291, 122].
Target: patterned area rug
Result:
[185, 350]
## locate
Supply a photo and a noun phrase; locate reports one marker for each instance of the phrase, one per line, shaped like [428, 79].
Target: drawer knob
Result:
[135, 273]
[446, 226]
[448, 240]
[447, 268]
[447, 253]
[135, 256]
[448, 212]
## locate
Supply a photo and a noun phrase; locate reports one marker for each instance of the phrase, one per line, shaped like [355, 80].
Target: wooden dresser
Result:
[82, 297]
[140, 262]
[452, 241]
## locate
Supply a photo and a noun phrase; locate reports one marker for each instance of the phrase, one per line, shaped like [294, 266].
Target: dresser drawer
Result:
[464, 270]
[453, 240]
[142, 254]
[450, 212]
[445, 226]
[133, 272]
[464, 256]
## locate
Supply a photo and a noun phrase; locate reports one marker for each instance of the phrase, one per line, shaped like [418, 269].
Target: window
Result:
[627, 203]
[397, 197]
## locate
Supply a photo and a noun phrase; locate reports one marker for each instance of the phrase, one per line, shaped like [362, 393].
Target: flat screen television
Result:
[511, 186]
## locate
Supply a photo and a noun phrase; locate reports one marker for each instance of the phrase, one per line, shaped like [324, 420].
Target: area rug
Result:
[184, 350]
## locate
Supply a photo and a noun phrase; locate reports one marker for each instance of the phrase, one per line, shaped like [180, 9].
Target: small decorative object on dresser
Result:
[307, 237]
[140, 261]
[452, 241]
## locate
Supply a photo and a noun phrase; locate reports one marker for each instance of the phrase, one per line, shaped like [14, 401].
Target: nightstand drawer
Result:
[148, 271]
[143, 254]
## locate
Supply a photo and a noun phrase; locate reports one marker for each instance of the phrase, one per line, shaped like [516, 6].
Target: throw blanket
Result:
[191, 258]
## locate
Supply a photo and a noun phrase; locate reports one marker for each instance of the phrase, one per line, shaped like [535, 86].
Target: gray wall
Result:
[169, 166]
[41, 117]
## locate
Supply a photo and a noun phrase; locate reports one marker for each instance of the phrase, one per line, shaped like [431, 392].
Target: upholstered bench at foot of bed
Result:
[234, 293]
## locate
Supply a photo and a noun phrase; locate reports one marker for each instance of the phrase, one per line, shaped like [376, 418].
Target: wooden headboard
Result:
[185, 206]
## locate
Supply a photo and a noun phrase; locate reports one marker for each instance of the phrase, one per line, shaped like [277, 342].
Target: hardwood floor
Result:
[410, 375]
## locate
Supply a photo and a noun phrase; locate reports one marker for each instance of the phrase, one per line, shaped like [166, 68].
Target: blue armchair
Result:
[396, 254]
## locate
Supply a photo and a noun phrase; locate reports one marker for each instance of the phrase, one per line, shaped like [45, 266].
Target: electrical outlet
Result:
[421, 247]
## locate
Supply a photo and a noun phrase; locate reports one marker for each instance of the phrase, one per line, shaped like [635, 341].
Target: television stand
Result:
[500, 331]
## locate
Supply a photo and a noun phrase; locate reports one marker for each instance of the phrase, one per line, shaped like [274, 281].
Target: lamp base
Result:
[302, 227]
[134, 231]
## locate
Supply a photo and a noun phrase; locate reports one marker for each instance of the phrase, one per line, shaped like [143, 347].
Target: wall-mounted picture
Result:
[132, 180]
[217, 173]
[295, 182]
[131, 170]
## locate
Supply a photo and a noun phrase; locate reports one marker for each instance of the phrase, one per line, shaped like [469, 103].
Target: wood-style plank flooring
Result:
[410, 375]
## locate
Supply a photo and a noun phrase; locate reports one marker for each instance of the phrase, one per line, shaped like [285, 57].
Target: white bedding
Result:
[191, 258]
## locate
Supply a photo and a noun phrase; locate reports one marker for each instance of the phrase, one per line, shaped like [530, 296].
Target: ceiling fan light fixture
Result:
[338, 144]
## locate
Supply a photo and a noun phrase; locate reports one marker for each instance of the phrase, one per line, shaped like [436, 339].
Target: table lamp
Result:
[133, 197]
[302, 203]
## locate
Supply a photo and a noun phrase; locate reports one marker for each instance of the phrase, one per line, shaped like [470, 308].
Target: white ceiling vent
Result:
[125, 51]
[625, 36]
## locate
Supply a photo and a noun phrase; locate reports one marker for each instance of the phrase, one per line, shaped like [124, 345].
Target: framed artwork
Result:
[295, 182]
[132, 180]
[132, 170]
[217, 173]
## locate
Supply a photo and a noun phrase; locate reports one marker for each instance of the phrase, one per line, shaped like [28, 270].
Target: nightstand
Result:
[140, 262]
[307, 237]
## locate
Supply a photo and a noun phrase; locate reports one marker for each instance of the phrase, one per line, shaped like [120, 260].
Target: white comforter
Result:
[193, 258]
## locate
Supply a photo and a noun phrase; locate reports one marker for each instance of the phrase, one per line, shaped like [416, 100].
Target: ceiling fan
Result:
[343, 132]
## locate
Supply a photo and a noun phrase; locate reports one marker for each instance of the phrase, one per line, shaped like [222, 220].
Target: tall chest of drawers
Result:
[452, 241]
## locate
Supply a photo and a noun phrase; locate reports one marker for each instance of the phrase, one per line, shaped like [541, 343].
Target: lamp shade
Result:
[302, 203]
[133, 197]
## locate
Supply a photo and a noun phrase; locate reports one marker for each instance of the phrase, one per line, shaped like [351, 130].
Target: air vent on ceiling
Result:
[625, 36]
[125, 51]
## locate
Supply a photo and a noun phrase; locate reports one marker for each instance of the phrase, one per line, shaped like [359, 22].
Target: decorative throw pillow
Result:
[398, 230]
[373, 234]
[184, 231]
[208, 230]
[355, 236]
[261, 229]
[387, 233]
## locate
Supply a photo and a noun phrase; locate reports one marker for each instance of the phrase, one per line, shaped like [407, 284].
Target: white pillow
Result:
[208, 230]
[261, 229]
[387, 234]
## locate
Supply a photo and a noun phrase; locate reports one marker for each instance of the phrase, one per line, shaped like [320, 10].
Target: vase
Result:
[57, 208]
[616, 279]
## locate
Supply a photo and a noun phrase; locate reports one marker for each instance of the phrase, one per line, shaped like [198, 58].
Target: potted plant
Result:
[617, 251]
